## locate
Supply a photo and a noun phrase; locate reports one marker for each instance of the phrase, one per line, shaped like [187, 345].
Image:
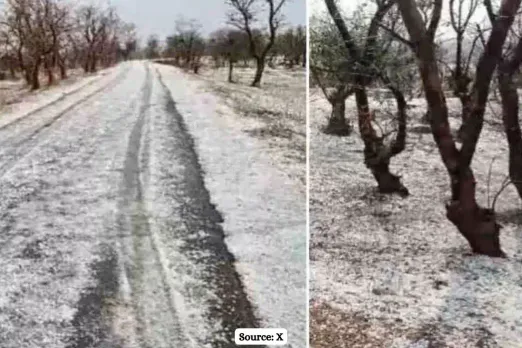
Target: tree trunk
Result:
[63, 70]
[28, 76]
[476, 224]
[376, 155]
[260, 68]
[49, 71]
[337, 124]
[510, 109]
[12, 70]
[230, 70]
[35, 78]
[93, 65]
[465, 101]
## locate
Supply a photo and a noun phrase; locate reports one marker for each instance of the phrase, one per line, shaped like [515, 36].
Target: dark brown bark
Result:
[510, 111]
[377, 155]
[35, 75]
[260, 68]
[63, 70]
[476, 224]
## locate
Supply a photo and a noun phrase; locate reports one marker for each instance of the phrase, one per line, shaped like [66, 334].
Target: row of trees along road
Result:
[393, 43]
[56, 36]
[255, 33]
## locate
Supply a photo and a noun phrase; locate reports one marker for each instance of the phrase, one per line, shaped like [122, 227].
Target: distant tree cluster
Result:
[52, 36]
[244, 41]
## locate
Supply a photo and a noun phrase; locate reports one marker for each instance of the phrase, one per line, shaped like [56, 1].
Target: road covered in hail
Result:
[108, 234]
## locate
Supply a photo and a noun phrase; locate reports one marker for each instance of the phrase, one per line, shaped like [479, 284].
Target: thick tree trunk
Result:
[260, 68]
[376, 155]
[337, 124]
[510, 110]
[478, 225]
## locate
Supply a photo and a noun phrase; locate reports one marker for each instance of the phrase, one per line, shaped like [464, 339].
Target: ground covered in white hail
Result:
[257, 185]
[16, 98]
[394, 272]
[274, 113]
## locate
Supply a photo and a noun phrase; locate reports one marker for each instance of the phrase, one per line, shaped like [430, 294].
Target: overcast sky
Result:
[158, 16]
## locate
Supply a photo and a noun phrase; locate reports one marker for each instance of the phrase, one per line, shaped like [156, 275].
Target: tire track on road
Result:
[232, 309]
[24, 147]
[156, 318]
[6, 167]
[42, 107]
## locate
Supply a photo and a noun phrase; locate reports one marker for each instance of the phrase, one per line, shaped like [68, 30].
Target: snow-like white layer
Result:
[39, 99]
[274, 113]
[399, 262]
[264, 210]
[58, 200]
[62, 203]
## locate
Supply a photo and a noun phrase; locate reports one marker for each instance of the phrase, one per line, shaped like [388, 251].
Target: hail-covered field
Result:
[393, 272]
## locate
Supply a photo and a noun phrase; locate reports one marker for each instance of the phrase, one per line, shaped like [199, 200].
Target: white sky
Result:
[158, 16]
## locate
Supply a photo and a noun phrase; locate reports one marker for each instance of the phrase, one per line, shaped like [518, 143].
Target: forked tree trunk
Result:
[260, 68]
[377, 155]
[476, 224]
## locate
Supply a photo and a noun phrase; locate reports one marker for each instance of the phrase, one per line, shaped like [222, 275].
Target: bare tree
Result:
[461, 13]
[328, 61]
[98, 29]
[243, 16]
[292, 45]
[363, 71]
[187, 45]
[478, 225]
[229, 45]
[37, 29]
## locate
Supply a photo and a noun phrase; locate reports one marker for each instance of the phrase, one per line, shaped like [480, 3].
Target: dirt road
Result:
[108, 237]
